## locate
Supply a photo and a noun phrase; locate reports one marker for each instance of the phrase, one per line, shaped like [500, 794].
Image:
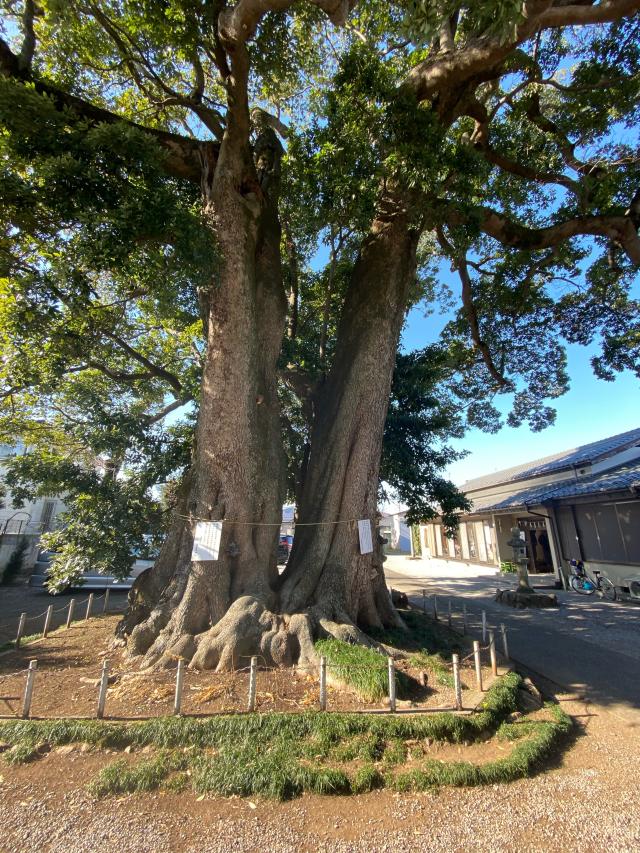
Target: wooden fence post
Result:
[21, 624]
[505, 647]
[72, 604]
[102, 689]
[492, 652]
[105, 606]
[323, 683]
[89, 606]
[28, 689]
[177, 702]
[476, 658]
[392, 684]
[457, 684]
[47, 621]
[253, 672]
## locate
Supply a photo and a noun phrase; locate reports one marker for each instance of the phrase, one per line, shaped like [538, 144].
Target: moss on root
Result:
[283, 755]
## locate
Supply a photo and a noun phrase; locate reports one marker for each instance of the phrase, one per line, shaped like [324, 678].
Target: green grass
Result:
[147, 775]
[423, 634]
[429, 646]
[365, 670]
[283, 755]
[28, 638]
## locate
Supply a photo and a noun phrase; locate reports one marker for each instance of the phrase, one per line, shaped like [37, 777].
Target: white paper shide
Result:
[364, 531]
[206, 541]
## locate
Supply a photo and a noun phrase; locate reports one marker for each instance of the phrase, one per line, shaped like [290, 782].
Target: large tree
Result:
[491, 134]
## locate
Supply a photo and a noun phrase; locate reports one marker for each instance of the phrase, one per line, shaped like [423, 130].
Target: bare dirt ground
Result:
[589, 802]
[70, 661]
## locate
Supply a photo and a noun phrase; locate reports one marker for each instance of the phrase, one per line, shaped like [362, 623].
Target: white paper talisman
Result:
[364, 530]
[206, 541]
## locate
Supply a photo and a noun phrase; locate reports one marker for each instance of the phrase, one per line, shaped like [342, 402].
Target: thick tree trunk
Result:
[238, 469]
[326, 571]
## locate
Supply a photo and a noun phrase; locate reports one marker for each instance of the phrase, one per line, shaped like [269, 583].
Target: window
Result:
[46, 517]
[482, 548]
[629, 520]
[490, 542]
[464, 542]
[471, 536]
[602, 536]
[567, 532]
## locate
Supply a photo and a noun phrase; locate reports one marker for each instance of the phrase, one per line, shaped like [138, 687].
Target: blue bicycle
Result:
[583, 583]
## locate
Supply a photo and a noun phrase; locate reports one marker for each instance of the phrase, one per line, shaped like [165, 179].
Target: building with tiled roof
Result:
[581, 504]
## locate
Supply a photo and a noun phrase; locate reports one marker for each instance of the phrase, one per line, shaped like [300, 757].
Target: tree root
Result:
[248, 629]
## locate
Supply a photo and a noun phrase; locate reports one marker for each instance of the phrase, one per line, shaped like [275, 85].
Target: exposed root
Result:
[248, 629]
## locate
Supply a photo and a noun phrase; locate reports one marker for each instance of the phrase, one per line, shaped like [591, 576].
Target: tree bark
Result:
[326, 571]
[238, 466]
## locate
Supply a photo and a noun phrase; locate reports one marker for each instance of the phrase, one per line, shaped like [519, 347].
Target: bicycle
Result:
[584, 584]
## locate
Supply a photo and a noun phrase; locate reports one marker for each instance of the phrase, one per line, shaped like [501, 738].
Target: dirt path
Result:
[589, 802]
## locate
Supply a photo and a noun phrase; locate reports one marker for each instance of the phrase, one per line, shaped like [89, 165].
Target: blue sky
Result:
[592, 409]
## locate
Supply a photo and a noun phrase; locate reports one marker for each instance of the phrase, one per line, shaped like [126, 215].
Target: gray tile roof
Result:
[567, 459]
[623, 477]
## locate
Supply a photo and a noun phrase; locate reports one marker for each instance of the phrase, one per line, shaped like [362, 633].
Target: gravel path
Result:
[590, 802]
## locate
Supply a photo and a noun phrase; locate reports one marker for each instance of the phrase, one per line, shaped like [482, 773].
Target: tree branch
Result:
[25, 56]
[460, 262]
[580, 15]
[510, 233]
[171, 407]
[446, 73]
[154, 369]
[183, 154]
[238, 24]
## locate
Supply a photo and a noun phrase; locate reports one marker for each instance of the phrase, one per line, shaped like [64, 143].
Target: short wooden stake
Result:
[323, 683]
[102, 689]
[21, 624]
[105, 606]
[47, 621]
[484, 626]
[28, 689]
[424, 601]
[392, 684]
[476, 658]
[435, 607]
[492, 652]
[464, 620]
[253, 673]
[505, 647]
[177, 702]
[449, 613]
[72, 604]
[457, 684]
[89, 606]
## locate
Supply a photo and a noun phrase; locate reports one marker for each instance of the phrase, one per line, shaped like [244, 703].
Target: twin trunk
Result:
[238, 471]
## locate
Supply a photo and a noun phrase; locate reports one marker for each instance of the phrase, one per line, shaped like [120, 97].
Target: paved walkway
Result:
[34, 601]
[588, 646]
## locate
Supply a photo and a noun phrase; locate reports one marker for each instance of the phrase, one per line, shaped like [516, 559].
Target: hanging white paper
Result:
[364, 530]
[206, 541]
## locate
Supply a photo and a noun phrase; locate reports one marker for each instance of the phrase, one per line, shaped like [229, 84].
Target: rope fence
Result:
[316, 697]
[48, 614]
[258, 663]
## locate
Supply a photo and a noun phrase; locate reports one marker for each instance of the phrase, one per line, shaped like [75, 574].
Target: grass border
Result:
[254, 754]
